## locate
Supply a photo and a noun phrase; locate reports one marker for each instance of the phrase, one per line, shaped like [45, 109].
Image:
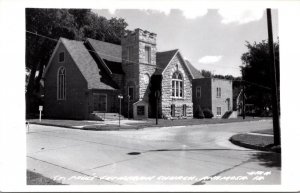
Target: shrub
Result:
[207, 113]
[199, 113]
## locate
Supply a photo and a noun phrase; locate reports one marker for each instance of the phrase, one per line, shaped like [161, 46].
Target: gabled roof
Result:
[110, 54]
[196, 73]
[85, 63]
[107, 51]
[163, 59]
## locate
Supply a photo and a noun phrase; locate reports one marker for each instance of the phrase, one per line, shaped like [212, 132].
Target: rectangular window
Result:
[131, 92]
[218, 92]
[140, 110]
[173, 110]
[180, 89]
[100, 102]
[130, 53]
[177, 93]
[173, 88]
[148, 54]
[184, 110]
[198, 92]
[61, 57]
[219, 112]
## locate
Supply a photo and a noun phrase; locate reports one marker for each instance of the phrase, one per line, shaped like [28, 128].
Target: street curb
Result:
[49, 124]
[250, 146]
[88, 129]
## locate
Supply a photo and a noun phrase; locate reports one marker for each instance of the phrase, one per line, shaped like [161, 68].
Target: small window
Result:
[184, 110]
[141, 110]
[219, 111]
[148, 54]
[131, 92]
[218, 92]
[61, 57]
[173, 110]
[198, 92]
[130, 53]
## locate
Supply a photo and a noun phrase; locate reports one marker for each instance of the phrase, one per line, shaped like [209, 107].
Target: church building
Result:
[88, 79]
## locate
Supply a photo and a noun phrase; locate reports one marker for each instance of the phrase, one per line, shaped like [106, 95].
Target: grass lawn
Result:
[257, 140]
[37, 179]
[91, 125]
[64, 123]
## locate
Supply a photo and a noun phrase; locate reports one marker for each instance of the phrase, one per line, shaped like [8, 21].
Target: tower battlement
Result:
[140, 35]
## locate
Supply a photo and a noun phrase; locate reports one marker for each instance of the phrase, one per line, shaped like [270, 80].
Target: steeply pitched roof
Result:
[86, 64]
[163, 59]
[196, 73]
[110, 53]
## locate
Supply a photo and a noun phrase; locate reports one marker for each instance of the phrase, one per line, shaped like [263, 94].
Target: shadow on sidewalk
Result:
[268, 159]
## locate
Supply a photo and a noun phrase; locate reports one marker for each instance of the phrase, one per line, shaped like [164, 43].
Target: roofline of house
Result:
[51, 58]
[189, 68]
[101, 60]
[178, 52]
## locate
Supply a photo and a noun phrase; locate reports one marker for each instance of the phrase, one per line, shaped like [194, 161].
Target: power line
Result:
[100, 53]
[259, 85]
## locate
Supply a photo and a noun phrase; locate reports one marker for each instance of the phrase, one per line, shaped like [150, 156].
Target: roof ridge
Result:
[168, 50]
[103, 41]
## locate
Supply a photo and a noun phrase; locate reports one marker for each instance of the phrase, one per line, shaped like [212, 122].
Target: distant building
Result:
[83, 80]
[213, 94]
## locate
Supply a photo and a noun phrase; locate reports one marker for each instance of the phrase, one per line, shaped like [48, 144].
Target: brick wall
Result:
[75, 106]
[167, 99]
[205, 99]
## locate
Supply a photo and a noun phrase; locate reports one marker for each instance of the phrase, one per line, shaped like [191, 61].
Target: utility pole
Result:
[275, 105]
[244, 105]
[128, 106]
[120, 97]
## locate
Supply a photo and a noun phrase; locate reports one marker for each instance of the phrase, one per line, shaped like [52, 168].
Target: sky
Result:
[211, 39]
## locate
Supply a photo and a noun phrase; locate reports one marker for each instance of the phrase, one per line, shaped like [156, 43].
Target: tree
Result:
[206, 73]
[256, 73]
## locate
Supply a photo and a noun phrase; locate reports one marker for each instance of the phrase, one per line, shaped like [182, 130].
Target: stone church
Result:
[88, 79]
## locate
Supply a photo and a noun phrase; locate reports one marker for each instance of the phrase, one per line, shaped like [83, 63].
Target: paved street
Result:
[172, 155]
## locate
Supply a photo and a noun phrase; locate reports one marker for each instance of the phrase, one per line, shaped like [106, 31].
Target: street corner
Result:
[260, 140]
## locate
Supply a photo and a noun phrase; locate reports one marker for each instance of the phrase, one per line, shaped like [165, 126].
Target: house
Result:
[89, 79]
[213, 94]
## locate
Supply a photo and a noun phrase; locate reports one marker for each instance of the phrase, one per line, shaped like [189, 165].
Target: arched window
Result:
[61, 83]
[177, 85]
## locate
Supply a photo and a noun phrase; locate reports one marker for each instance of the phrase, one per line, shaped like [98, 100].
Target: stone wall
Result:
[167, 99]
[136, 69]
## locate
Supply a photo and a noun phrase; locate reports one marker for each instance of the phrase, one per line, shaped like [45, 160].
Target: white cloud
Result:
[210, 59]
[193, 13]
[112, 11]
[240, 16]
[165, 11]
[189, 13]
